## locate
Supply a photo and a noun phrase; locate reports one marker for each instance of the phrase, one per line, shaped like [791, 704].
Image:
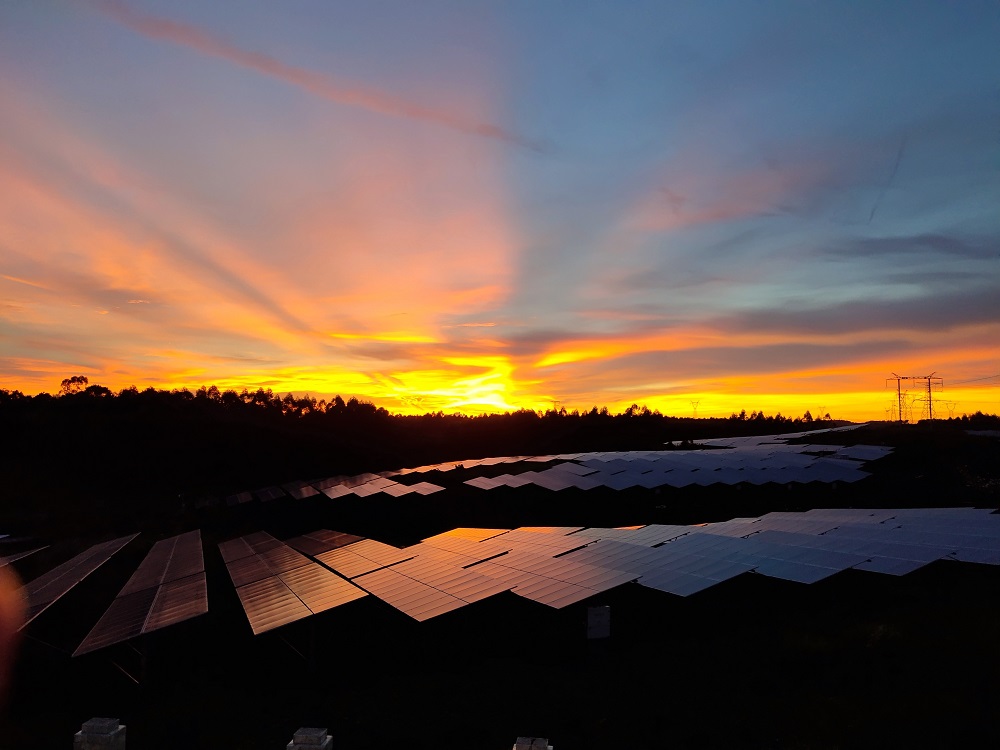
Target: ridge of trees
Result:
[269, 402]
[78, 390]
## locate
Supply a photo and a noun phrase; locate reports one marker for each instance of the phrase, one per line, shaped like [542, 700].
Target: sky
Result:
[482, 206]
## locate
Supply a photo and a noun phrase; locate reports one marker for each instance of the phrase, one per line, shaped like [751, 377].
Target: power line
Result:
[975, 380]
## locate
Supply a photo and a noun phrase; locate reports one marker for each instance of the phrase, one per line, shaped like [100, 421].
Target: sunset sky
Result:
[473, 206]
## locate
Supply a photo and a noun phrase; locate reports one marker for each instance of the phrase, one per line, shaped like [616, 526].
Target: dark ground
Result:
[858, 660]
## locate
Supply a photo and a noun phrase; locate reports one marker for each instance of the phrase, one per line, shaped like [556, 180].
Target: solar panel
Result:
[124, 619]
[45, 590]
[426, 488]
[177, 601]
[247, 570]
[676, 582]
[416, 599]
[864, 452]
[574, 468]
[8, 559]
[337, 490]
[269, 604]
[322, 540]
[483, 483]
[467, 533]
[281, 558]
[552, 480]
[168, 587]
[362, 557]
[168, 560]
[463, 584]
[318, 588]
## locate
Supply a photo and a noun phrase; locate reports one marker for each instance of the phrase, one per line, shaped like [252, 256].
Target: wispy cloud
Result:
[318, 84]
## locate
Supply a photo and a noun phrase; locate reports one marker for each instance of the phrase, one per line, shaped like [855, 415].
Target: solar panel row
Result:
[753, 460]
[168, 560]
[45, 590]
[8, 559]
[651, 469]
[168, 587]
[558, 566]
[277, 584]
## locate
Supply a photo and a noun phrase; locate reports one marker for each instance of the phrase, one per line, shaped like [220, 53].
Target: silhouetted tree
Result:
[73, 385]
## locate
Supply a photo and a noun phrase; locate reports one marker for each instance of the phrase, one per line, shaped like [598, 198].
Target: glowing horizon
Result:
[479, 210]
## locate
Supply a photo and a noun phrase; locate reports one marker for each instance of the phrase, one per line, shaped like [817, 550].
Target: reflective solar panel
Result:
[301, 493]
[467, 585]
[337, 490]
[178, 601]
[269, 604]
[169, 584]
[45, 590]
[362, 557]
[468, 533]
[124, 619]
[426, 488]
[319, 589]
[247, 570]
[282, 558]
[322, 540]
[416, 599]
[168, 560]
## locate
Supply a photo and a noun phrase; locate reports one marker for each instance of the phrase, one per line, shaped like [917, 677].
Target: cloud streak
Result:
[315, 83]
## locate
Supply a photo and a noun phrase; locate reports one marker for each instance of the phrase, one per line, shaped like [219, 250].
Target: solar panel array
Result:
[558, 566]
[45, 590]
[277, 584]
[364, 485]
[754, 460]
[168, 587]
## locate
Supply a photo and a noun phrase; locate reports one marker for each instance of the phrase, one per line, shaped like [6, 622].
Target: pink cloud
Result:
[318, 84]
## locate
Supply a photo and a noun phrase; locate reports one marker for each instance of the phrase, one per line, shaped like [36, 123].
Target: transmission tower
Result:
[929, 383]
[694, 407]
[899, 393]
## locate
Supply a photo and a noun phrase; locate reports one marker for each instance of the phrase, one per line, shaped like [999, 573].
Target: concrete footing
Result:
[532, 743]
[100, 734]
[311, 738]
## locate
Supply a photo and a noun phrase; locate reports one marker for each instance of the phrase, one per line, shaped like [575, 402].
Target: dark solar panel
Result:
[323, 540]
[156, 595]
[247, 570]
[187, 559]
[124, 619]
[168, 560]
[8, 559]
[234, 549]
[178, 601]
[150, 572]
[308, 545]
[282, 558]
[42, 592]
